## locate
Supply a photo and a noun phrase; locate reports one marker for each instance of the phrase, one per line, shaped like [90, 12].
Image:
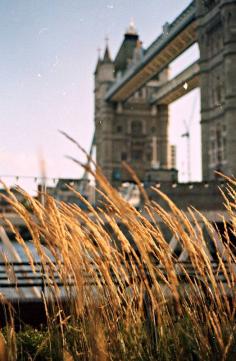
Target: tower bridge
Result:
[133, 91]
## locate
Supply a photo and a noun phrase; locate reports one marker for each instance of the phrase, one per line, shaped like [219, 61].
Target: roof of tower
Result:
[125, 53]
[107, 57]
[105, 60]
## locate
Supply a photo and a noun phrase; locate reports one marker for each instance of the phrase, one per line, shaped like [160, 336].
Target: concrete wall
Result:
[203, 196]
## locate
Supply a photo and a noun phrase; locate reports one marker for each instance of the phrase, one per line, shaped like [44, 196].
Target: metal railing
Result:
[21, 274]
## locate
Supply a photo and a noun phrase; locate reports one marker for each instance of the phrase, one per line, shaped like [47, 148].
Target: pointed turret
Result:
[138, 52]
[104, 71]
[126, 51]
[107, 57]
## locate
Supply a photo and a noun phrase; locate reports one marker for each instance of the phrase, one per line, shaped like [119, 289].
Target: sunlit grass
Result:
[133, 302]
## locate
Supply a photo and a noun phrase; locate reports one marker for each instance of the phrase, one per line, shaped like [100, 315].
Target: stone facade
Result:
[217, 43]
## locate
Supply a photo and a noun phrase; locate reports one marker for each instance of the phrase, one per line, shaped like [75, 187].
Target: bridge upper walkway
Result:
[175, 88]
[176, 38]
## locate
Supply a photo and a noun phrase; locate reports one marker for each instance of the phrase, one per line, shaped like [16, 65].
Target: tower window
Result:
[119, 129]
[137, 154]
[218, 146]
[229, 17]
[123, 156]
[116, 174]
[136, 127]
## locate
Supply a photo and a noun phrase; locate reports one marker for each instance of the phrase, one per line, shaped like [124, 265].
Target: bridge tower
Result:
[133, 130]
[217, 43]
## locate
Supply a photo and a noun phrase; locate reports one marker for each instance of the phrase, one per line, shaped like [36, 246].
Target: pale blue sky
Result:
[48, 56]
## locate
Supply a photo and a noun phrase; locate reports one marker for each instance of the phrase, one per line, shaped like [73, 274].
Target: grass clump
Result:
[130, 299]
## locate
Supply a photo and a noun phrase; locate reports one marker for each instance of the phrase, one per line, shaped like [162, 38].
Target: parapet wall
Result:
[203, 196]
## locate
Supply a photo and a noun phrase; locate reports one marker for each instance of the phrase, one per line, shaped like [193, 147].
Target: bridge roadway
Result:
[177, 87]
[176, 38]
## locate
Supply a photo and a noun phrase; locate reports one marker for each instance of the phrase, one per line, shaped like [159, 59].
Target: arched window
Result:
[137, 127]
[119, 129]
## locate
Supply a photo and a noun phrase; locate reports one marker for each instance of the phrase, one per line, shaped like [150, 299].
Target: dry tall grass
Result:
[134, 303]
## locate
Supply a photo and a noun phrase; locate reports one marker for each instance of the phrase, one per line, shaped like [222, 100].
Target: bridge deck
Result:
[180, 35]
[177, 87]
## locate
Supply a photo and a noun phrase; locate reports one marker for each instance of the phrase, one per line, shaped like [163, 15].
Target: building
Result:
[66, 190]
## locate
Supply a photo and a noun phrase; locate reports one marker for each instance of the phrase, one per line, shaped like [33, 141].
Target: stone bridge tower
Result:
[131, 131]
[216, 21]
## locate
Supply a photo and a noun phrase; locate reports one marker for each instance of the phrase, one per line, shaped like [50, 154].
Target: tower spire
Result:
[107, 56]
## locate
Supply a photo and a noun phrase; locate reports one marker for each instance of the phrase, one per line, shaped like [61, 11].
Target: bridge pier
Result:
[216, 24]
